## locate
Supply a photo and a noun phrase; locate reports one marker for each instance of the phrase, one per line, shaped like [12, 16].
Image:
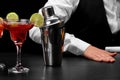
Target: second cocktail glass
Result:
[2, 65]
[1, 27]
[18, 32]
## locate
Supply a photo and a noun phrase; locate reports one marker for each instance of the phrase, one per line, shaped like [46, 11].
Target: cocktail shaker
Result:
[52, 37]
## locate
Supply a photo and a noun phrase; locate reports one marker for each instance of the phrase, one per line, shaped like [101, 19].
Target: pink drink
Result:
[1, 29]
[18, 31]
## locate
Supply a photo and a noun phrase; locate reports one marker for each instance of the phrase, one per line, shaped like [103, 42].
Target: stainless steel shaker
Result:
[52, 37]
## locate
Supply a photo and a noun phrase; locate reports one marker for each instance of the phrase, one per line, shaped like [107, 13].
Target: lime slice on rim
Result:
[1, 19]
[12, 16]
[37, 19]
[1, 23]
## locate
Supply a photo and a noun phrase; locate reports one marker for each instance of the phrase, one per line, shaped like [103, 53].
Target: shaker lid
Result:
[47, 11]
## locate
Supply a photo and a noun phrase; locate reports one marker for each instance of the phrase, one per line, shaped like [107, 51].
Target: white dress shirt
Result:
[112, 8]
[64, 9]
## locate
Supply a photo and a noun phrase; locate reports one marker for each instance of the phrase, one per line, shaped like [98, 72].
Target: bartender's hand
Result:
[99, 55]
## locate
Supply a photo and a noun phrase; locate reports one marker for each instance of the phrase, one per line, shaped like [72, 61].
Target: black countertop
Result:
[72, 68]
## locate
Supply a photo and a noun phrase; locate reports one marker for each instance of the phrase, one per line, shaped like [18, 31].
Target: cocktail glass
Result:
[2, 65]
[1, 28]
[18, 32]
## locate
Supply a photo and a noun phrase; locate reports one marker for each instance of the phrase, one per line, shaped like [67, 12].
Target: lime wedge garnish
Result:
[1, 22]
[12, 16]
[37, 19]
[1, 19]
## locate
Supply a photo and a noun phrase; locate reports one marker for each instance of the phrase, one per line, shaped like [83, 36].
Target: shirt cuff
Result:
[75, 45]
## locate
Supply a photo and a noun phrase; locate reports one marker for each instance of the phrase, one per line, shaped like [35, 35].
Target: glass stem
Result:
[18, 63]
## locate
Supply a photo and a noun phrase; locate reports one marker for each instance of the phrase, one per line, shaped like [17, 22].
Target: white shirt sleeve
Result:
[63, 9]
[74, 45]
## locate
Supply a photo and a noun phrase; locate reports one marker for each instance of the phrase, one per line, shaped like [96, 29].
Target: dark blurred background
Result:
[24, 9]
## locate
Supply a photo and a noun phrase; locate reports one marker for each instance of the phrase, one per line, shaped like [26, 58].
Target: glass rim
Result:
[20, 20]
[23, 21]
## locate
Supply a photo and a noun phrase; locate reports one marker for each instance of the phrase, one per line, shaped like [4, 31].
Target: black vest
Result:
[89, 23]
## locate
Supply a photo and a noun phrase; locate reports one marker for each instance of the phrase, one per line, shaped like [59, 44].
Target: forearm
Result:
[71, 43]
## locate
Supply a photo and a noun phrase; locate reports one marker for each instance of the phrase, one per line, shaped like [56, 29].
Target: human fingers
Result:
[113, 54]
[105, 57]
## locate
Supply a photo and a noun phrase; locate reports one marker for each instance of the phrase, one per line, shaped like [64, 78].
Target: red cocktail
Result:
[18, 31]
[1, 27]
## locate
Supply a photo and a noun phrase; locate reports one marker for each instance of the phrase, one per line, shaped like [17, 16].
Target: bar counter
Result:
[72, 68]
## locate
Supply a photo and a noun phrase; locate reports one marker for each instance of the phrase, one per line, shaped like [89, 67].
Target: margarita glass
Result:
[18, 32]
[1, 27]
[2, 65]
